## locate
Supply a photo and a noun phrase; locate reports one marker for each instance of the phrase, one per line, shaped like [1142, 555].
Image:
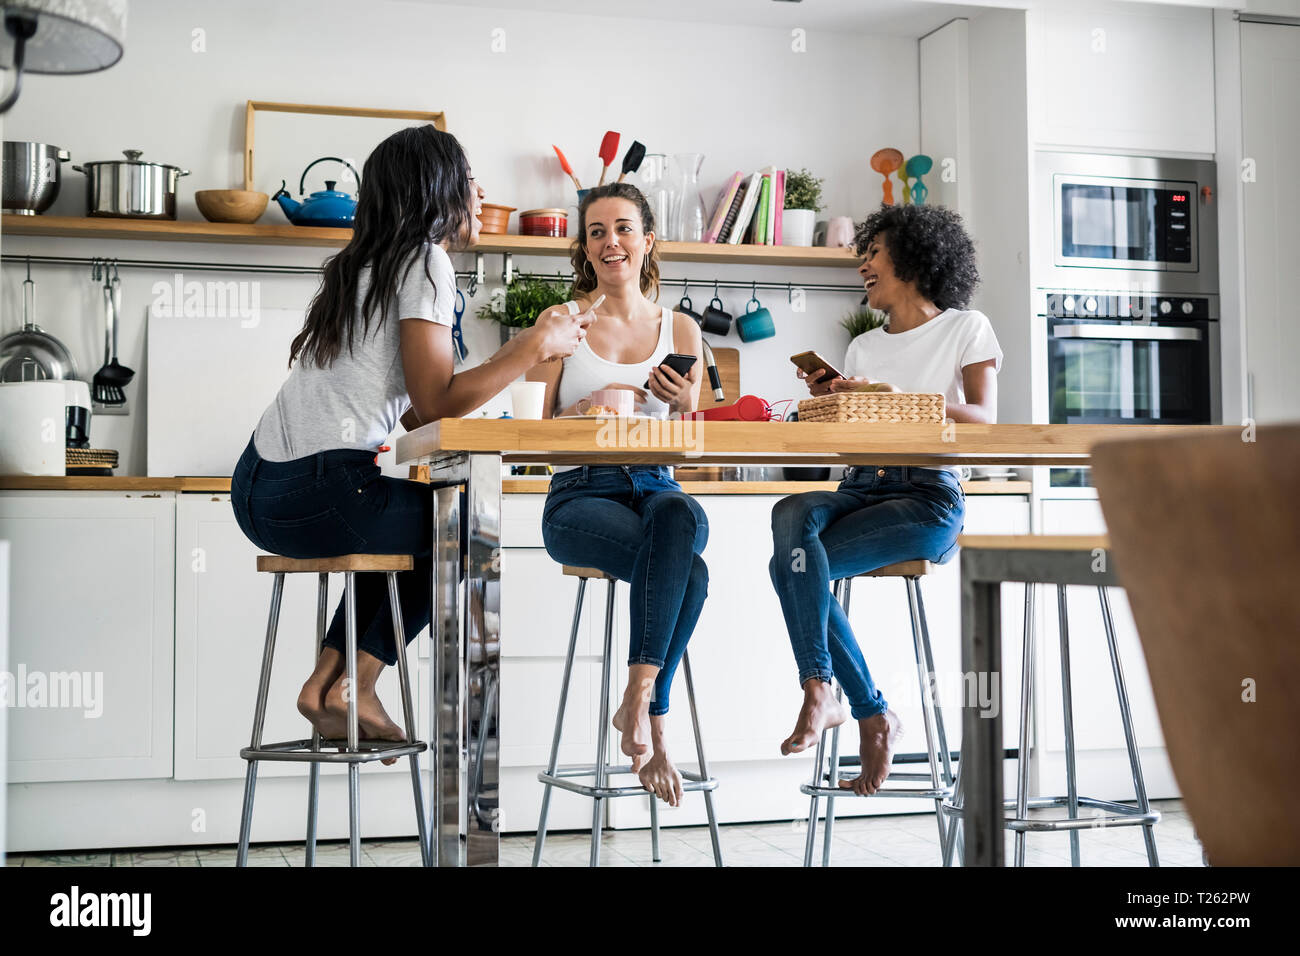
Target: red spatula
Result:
[564, 164]
[608, 152]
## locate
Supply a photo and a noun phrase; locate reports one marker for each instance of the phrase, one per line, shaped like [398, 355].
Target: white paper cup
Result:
[527, 399]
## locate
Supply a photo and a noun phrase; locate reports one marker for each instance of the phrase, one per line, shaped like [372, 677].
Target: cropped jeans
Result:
[877, 516]
[338, 502]
[636, 523]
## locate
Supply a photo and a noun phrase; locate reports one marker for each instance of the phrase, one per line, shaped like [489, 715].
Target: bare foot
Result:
[311, 699]
[876, 749]
[373, 721]
[632, 719]
[820, 711]
[659, 776]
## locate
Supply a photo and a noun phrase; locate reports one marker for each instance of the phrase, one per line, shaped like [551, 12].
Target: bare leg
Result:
[374, 721]
[311, 699]
[632, 719]
[878, 735]
[659, 775]
[820, 710]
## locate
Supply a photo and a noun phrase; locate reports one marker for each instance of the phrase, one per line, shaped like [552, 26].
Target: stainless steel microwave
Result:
[1128, 221]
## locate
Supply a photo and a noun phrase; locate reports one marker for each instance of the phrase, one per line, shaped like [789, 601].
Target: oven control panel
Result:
[1125, 305]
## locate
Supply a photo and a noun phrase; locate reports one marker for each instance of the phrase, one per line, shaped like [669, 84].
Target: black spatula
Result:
[632, 159]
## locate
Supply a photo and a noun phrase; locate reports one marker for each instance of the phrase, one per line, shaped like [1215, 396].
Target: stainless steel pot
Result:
[131, 188]
[32, 175]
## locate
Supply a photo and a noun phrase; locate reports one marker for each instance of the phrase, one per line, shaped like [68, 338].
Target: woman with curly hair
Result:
[918, 266]
[633, 522]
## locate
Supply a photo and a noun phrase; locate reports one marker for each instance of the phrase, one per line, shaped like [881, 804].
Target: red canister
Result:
[544, 222]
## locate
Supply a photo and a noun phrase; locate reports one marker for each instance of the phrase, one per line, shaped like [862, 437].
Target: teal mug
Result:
[756, 323]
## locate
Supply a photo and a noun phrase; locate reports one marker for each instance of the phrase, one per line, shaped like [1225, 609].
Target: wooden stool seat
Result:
[276, 564]
[577, 572]
[903, 569]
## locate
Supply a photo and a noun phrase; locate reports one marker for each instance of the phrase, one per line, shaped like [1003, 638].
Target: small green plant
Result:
[524, 300]
[862, 319]
[803, 190]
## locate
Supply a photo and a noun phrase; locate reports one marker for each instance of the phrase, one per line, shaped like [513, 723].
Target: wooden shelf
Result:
[259, 233]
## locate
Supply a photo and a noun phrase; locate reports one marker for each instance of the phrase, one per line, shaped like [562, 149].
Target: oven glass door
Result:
[1125, 223]
[1104, 373]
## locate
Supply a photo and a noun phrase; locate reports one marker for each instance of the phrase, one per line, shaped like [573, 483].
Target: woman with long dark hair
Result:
[918, 266]
[633, 522]
[376, 346]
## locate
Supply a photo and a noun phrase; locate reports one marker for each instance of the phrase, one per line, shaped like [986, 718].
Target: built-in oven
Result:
[1121, 359]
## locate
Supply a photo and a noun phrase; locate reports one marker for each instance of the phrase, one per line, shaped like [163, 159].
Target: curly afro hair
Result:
[929, 246]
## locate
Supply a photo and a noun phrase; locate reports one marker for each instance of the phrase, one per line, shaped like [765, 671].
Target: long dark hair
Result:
[584, 274]
[415, 188]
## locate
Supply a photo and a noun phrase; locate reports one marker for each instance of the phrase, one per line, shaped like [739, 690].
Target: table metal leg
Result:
[981, 763]
[1067, 704]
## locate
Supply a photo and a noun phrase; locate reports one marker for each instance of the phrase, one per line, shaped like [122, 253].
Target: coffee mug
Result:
[686, 307]
[620, 401]
[839, 232]
[716, 320]
[756, 323]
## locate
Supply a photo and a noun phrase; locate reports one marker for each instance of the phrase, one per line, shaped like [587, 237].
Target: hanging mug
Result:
[716, 320]
[756, 323]
[686, 307]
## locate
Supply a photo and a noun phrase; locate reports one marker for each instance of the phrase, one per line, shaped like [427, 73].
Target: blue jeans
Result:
[337, 502]
[877, 516]
[636, 523]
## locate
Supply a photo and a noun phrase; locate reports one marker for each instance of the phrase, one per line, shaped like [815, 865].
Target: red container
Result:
[544, 222]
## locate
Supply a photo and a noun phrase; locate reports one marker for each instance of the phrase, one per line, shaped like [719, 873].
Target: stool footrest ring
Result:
[928, 793]
[1116, 815]
[692, 782]
[299, 751]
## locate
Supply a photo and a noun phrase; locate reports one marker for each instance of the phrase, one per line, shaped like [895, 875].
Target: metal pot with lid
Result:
[131, 188]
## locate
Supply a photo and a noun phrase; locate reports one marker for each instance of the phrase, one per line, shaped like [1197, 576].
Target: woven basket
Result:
[873, 407]
[92, 458]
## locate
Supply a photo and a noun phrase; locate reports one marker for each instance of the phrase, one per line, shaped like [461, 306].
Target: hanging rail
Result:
[288, 270]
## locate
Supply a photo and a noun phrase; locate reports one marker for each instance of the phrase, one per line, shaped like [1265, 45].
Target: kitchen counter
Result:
[508, 485]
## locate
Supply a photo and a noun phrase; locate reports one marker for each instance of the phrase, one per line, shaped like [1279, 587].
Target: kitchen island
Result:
[465, 457]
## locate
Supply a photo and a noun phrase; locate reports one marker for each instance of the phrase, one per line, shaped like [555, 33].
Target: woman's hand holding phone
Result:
[671, 388]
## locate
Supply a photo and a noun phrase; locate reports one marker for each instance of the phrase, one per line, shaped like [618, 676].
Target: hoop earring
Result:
[588, 272]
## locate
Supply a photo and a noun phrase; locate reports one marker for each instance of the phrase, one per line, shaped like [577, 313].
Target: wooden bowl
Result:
[495, 219]
[231, 205]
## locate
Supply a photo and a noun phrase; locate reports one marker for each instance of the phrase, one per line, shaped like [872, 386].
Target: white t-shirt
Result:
[928, 358]
[357, 401]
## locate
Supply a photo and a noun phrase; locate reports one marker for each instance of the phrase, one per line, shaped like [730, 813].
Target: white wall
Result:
[740, 95]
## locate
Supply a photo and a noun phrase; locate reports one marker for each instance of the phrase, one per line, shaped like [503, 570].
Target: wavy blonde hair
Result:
[584, 274]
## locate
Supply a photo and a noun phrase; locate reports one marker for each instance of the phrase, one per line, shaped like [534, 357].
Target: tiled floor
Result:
[878, 841]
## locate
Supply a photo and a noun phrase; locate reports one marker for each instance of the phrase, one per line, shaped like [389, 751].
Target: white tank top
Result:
[585, 371]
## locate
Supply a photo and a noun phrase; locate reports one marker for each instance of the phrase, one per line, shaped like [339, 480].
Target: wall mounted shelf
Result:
[74, 227]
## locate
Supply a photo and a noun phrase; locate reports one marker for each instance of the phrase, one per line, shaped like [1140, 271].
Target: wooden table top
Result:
[632, 441]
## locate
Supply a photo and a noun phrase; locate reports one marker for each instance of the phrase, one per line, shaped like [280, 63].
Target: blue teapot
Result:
[330, 207]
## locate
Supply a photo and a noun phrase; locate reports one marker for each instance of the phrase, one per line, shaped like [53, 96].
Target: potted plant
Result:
[523, 300]
[803, 200]
[862, 319]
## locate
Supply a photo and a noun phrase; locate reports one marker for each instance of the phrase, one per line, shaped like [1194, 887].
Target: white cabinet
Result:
[1103, 76]
[1099, 734]
[222, 603]
[90, 634]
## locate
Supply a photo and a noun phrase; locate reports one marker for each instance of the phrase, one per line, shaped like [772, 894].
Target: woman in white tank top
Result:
[632, 522]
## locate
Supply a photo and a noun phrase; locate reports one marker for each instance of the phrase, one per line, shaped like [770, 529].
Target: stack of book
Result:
[749, 209]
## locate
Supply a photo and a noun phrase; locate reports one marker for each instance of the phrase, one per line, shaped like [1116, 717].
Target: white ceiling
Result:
[911, 18]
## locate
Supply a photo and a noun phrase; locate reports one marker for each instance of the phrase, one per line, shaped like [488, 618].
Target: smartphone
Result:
[679, 363]
[810, 362]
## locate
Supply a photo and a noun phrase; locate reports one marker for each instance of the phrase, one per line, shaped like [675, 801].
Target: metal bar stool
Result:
[353, 751]
[1114, 814]
[600, 772]
[937, 785]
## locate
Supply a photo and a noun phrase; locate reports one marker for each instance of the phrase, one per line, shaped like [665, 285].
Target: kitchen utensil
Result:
[544, 222]
[495, 219]
[916, 167]
[32, 176]
[886, 161]
[608, 152]
[32, 354]
[110, 380]
[330, 208]
[564, 164]
[32, 439]
[527, 399]
[457, 336]
[756, 323]
[903, 176]
[632, 159]
[131, 188]
[231, 205]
